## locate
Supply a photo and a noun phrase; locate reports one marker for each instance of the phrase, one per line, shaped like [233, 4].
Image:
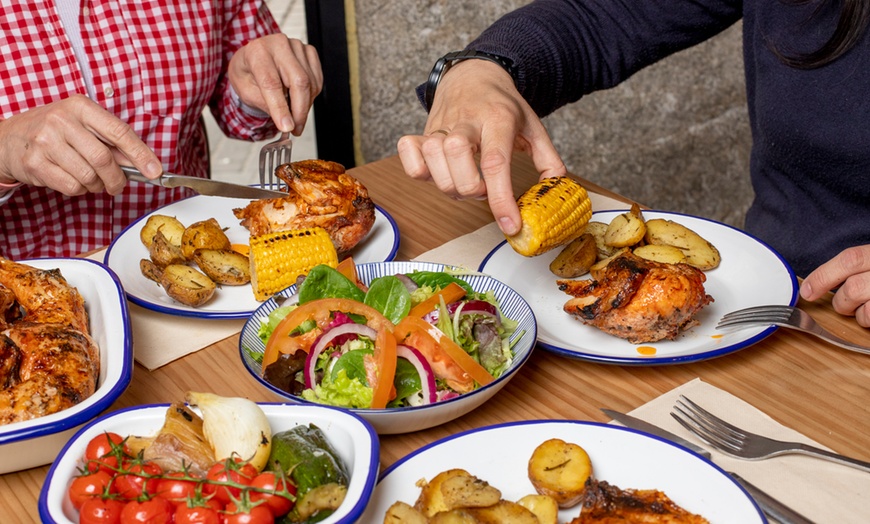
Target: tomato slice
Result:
[319, 310]
[451, 293]
[385, 368]
[410, 324]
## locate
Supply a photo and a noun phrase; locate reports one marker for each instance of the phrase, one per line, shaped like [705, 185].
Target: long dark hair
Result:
[853, 21]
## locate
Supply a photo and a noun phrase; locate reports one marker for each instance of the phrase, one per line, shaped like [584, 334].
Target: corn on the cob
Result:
[277, 259]
[554, 211]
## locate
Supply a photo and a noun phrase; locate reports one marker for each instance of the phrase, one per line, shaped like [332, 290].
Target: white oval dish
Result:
[623, 457]
[351, 436]
[750, 274]
[36, 442]
[406, 420]
[126, 250]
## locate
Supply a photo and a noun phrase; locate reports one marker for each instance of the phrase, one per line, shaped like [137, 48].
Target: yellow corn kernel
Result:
[554, 211]
[278, 259]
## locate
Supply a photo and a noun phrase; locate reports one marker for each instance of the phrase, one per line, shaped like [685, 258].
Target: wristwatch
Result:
[446, 62]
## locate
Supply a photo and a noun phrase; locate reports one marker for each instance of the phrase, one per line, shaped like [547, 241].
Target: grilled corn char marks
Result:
[48, 361]
[320, 194]
[639, 300]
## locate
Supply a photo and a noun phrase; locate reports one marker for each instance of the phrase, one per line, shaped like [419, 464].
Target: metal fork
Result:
[273, 155]
[788, 317]
[740, 443]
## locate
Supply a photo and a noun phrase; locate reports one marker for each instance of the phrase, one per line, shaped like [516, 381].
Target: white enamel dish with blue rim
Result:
[36, 442]
[406, 420]
[353, 439]
[623, 457]
[125, 252]
[751, 274]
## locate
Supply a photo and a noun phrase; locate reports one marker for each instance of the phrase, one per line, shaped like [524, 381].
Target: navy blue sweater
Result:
[810, 162]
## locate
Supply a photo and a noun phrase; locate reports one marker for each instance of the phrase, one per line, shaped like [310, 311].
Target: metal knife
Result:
[204, 186]
[771, 507]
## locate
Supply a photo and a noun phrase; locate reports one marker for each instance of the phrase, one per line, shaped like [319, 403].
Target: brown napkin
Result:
[158, 338]
[822, 491]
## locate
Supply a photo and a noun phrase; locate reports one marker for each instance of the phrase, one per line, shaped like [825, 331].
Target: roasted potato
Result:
[403, 513]
[576, 258]
[502, 512]
[171, 227]
[559, 470]
[187, 285]
[150, 270]
[699, 252]
[454, 488]
[227, 267]
[660, 253]
[205, 234]
[626, 229]
[163, 252]
[597, 269]
[543, 506]
[454, 516]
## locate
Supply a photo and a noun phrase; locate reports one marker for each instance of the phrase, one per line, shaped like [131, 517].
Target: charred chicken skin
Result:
[639, 300]
[604, 503]
[48, 361]
[319, 194]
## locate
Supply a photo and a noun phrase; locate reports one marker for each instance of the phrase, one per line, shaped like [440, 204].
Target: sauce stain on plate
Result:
[646, 350]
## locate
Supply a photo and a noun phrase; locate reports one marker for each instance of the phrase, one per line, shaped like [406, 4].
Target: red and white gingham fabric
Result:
[156, 64]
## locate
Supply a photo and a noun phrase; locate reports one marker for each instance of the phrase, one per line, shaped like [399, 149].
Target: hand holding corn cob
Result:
[554, 212]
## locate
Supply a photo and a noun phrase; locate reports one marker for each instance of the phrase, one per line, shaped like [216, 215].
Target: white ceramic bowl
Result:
[36, 442]
[352, 437]
[406, 420]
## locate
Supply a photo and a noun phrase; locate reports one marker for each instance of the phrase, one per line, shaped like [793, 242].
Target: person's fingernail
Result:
[806, 289]
[153, 169]
[507, 225]
[287, 124]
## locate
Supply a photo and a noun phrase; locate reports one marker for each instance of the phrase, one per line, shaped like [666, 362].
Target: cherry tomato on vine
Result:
[88, 486]
[139, 479]
[176, 488]
[197, 515]
[236, 471]
[103, 450]
[153, 511]
[278, 504]
[99, 511]
[254, 515]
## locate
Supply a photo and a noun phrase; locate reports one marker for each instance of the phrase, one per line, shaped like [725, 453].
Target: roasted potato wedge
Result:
[559, 470]
[171, 227]
[187, 285]
[543, 506]
[576, 258]
[205, 234]
[454, 516]
[454, 488]
[150, 270]
[597, 230]
[163, 252]
[227, 267]
[699, 252]
[660, 253]
[403, 513]
[503, 512]
[597, 269]
[626, 229]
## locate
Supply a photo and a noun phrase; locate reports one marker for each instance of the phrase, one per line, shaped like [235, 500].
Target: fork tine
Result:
[699, 431]
[778, 310]
[712, 418]
[760, 321]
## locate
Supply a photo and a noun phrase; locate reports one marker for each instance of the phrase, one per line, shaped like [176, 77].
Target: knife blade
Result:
[772, 507]
[204, 186]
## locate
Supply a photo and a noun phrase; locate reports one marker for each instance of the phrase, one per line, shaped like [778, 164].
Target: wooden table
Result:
[819, 390]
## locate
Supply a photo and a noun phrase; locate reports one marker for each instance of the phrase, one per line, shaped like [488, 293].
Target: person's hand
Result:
[850, 270]
[73, 146]
[266, 69]
[478, 109]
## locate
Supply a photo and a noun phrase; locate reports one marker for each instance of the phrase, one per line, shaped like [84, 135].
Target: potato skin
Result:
[559, 470]
[150, 270]
[171, 227]
[187, 285]
[452, 489]
[626, 229]
[544, 507]
[576, 258]
[699, 252]
[205, 234]
[226, 267]
[661, 253]
[163, 252]
[402, 513]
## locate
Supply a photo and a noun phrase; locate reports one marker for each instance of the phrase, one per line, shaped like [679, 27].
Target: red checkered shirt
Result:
[155, 64]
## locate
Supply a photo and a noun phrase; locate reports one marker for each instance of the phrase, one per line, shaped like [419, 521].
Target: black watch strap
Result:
[446, 62]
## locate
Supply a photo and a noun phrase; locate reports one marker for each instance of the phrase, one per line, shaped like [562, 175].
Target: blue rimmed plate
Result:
[125, 252]
[750, 274]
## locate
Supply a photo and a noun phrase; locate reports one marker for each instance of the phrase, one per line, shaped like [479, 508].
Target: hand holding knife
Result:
[771, 507]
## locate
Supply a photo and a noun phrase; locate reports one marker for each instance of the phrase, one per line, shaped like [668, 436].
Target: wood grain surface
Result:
[818, 389]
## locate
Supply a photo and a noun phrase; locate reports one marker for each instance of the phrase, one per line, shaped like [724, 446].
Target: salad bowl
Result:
[406, 419]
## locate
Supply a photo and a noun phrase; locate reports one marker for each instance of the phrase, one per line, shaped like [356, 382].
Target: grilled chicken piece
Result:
[320, 193]
[604, 503]
[48, 361]
[639, 300]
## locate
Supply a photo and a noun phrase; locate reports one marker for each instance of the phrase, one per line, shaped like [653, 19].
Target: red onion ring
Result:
[324, 342]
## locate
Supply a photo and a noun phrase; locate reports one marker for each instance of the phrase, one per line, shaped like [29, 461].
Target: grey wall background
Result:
[675, 136]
